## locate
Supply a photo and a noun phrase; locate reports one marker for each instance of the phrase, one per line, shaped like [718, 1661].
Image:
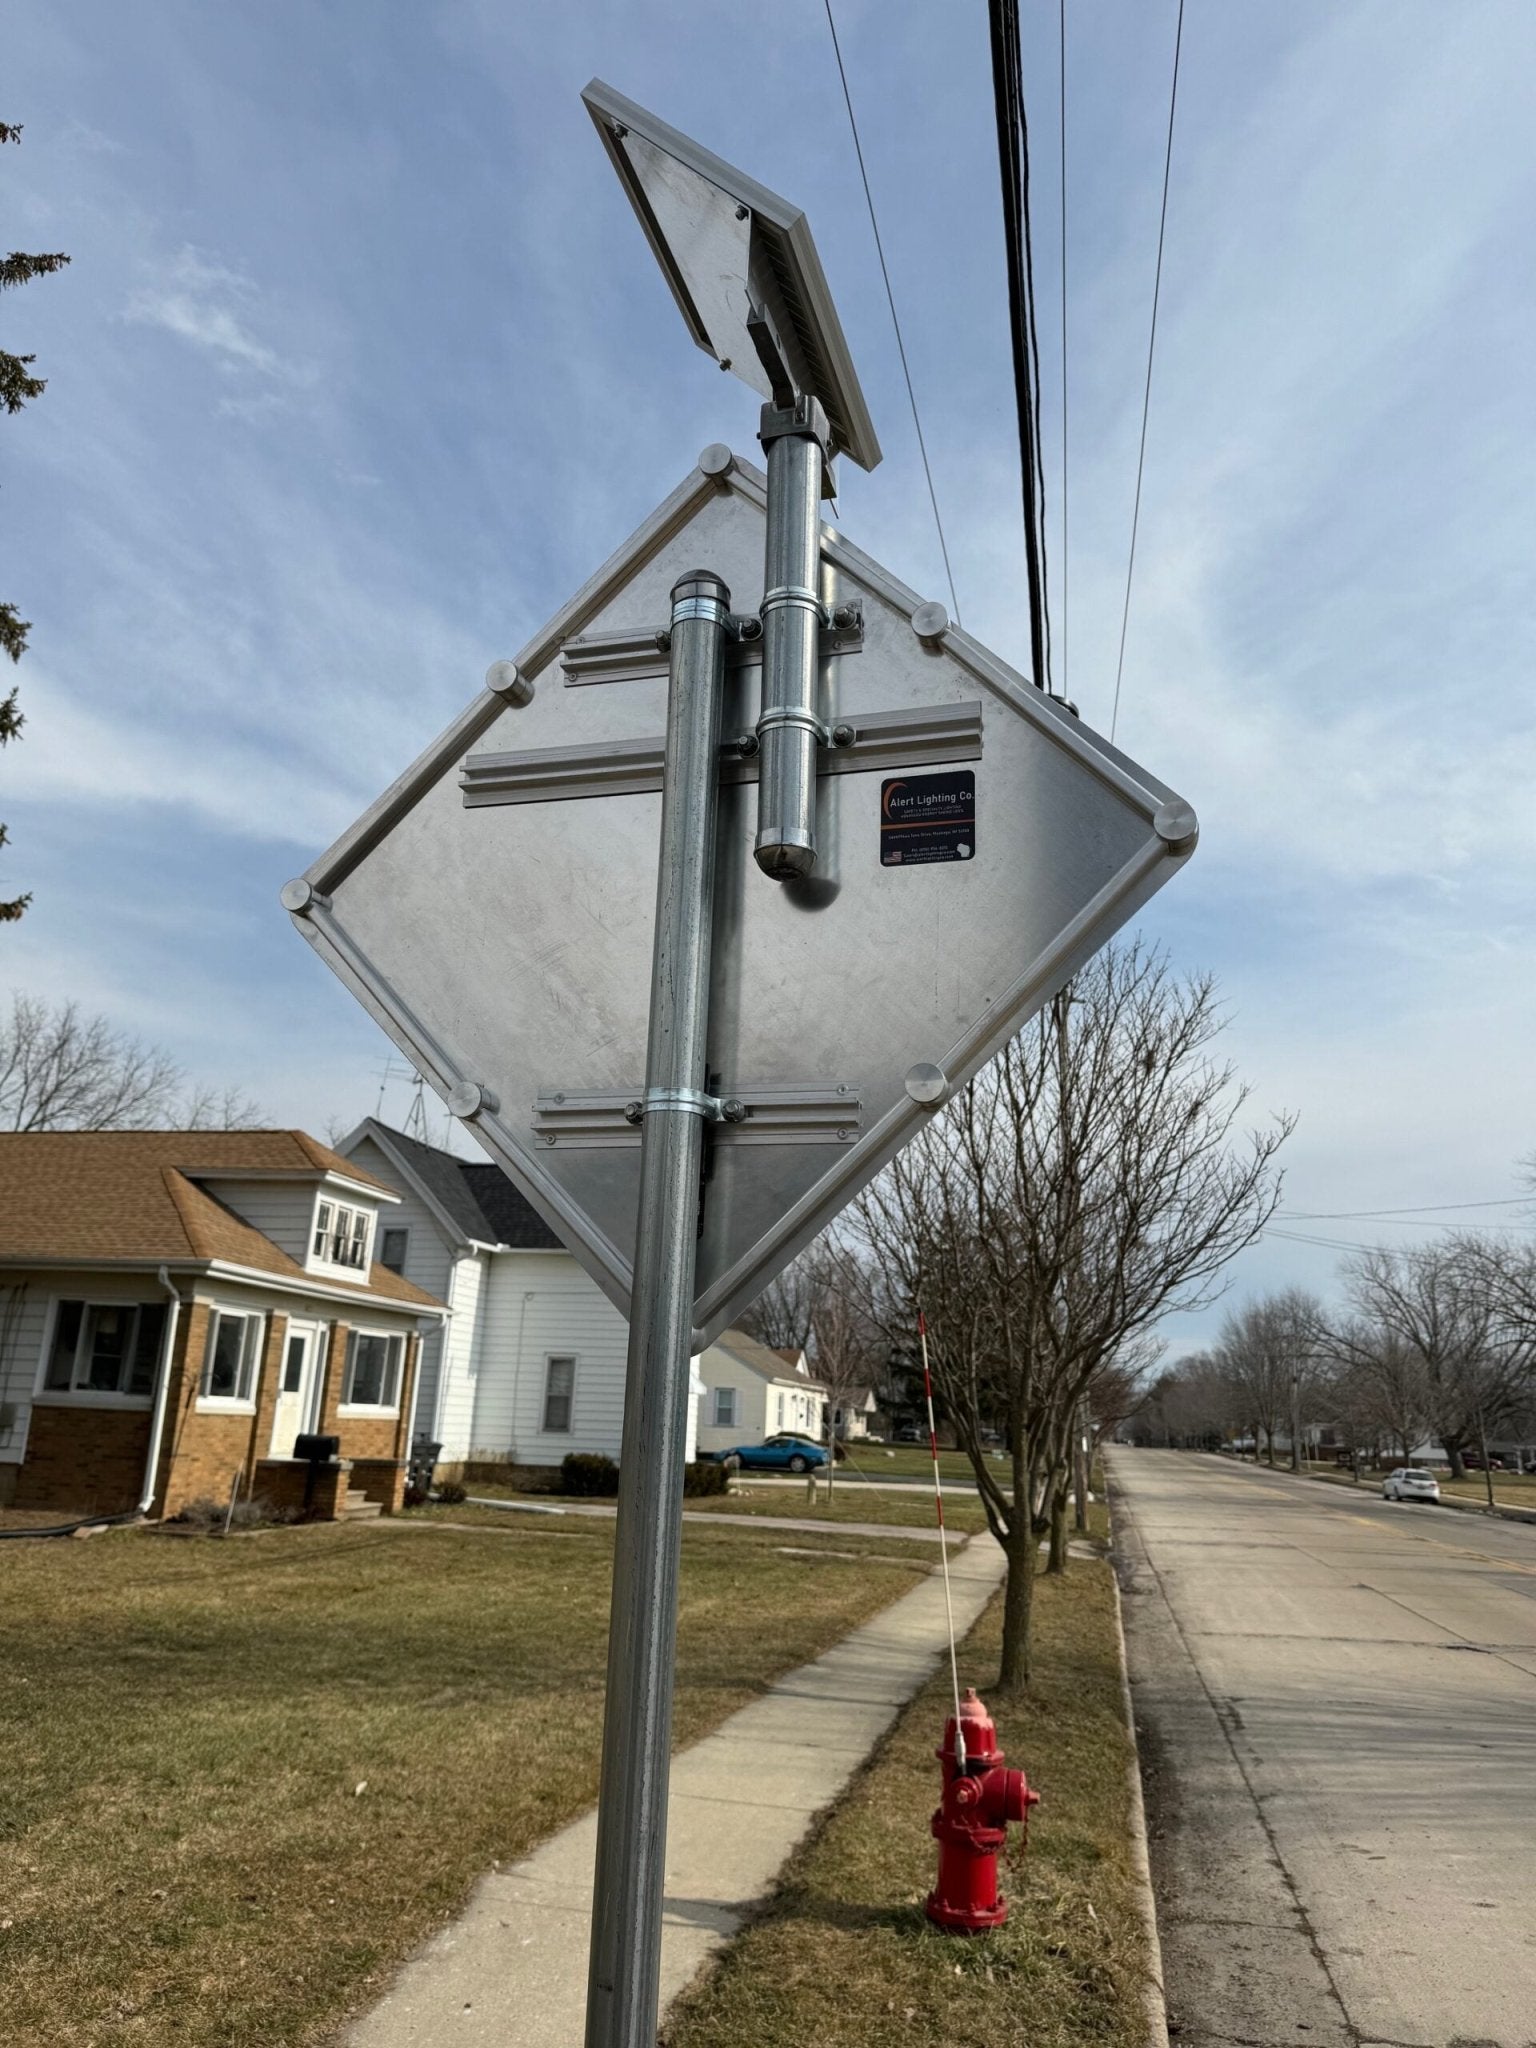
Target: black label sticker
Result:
[926, 818]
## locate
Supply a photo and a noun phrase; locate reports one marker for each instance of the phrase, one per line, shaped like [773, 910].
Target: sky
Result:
[361, 366]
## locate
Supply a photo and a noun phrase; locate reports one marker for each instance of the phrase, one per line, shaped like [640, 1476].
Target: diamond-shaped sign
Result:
[494, 909]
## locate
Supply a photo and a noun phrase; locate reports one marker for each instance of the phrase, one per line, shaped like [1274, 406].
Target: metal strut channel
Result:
[762, 1115]
[877, 741]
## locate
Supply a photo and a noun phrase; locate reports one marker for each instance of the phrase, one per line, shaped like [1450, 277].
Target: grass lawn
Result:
[962, 1511]
[909, 1461]
[844, 1957]
[244, 1778]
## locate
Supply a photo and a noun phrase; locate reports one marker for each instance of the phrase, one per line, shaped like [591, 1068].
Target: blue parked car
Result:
[783, 1453]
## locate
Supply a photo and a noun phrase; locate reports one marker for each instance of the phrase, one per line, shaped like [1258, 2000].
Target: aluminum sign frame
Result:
[502, 949]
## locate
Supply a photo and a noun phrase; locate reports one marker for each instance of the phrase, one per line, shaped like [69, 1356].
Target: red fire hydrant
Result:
[971, 1825]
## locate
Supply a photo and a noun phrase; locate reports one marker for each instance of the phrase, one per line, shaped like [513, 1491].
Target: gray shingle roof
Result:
[479, 1198]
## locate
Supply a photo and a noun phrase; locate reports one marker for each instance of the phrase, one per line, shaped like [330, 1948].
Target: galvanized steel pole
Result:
[625, 1961]
[788, 730]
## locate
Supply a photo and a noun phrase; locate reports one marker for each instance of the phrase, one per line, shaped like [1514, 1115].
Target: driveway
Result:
[1337, 1706]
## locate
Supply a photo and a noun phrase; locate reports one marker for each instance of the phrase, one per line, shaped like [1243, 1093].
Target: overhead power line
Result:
[890, 299]
[1146, 398]
[1065, 554]
[1013, 169]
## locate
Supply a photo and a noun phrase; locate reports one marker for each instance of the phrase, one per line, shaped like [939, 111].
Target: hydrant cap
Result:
[977, 1727]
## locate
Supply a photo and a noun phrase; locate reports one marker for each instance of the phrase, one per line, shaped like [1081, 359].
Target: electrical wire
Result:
[1427, 1209]
[890, 299]
[1065, 591]
[1013, 170]
[1146, 399]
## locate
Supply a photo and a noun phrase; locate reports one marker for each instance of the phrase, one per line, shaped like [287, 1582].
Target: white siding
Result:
[717, 1368]
[428, 1264]
[281, 1210]
[428, 1252]
[458, 1382]
[540, 1304]
[23, 1311]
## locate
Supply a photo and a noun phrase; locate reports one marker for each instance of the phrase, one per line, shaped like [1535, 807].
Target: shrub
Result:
[589, 1474]
[450, 1493]
[208, 1515]
[703, 1478]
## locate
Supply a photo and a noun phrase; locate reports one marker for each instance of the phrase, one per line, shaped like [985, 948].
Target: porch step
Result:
[357, 1507]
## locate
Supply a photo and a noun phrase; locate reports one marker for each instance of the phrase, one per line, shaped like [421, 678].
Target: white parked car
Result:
[1409, 1483]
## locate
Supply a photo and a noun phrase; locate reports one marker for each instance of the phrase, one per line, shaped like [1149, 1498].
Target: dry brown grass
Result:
[843, 1956]
[244, 1778]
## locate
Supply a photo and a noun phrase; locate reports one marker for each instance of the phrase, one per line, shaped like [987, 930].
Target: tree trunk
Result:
[1056, 1561]
[1018, 1602]
[1453, 1454]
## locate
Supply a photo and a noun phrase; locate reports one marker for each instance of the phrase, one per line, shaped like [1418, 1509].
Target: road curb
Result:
[1154, 1997]
[1451, 1500]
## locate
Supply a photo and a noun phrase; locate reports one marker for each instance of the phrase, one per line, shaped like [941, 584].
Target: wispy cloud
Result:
[211, 306]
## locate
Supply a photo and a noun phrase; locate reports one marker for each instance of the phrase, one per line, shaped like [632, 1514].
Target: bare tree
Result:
[846, 1342]
[1441, 1305]
[64, 1070]
[1267, 1351]
[781, 1315]
[1092, 1180]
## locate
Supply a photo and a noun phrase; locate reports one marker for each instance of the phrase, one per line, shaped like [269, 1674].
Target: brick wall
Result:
[83, 1460]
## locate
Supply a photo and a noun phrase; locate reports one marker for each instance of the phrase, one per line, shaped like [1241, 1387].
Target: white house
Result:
[751, 1392]
[853, 1415]
[531, 1364]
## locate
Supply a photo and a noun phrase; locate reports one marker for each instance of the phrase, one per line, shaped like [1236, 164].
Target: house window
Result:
[105, 1348]
[725, 1408]
[341, 1236]
[559, 1394]
[230, 1363]
[373, 1370]
[393, 1254]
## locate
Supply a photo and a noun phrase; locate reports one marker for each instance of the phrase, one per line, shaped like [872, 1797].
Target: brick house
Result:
[179, 1306]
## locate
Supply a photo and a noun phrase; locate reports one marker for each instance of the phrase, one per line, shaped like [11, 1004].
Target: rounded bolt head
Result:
[470, 1099]
[506, 681]
[927, 1084]
[845, 616]
[741, 213]
[930, 622]
[717, 460]
[752, 628]
[664, 639]
[733, 1110]
[1177, 826]
[747, 744]
[633, 1112]
[843, 735]
[301, 897]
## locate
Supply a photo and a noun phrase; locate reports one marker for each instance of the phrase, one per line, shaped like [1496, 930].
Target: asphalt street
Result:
[1336, 1700]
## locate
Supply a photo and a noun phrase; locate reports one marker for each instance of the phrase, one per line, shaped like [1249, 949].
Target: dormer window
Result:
[341, 1236]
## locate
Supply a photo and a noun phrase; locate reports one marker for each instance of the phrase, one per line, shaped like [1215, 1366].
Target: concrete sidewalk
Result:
[821, 1525]
[511, 1972]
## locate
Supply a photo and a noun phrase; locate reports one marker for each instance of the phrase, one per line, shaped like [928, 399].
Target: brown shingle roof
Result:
[95, 1196]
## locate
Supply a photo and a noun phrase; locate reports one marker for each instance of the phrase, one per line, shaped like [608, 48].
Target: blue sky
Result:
[361, 366]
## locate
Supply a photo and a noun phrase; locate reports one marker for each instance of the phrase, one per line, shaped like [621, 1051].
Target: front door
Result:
[295, 1411]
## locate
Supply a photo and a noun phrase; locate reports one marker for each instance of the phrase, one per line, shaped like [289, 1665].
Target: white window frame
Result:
[88, 1396]
[551, 1360]
[247, 1372]
[395, 1369]
[727, 1397]
[341, 1221]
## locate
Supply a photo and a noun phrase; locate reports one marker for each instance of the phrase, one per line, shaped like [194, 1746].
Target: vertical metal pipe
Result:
[788, 730]
[625, 1960]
